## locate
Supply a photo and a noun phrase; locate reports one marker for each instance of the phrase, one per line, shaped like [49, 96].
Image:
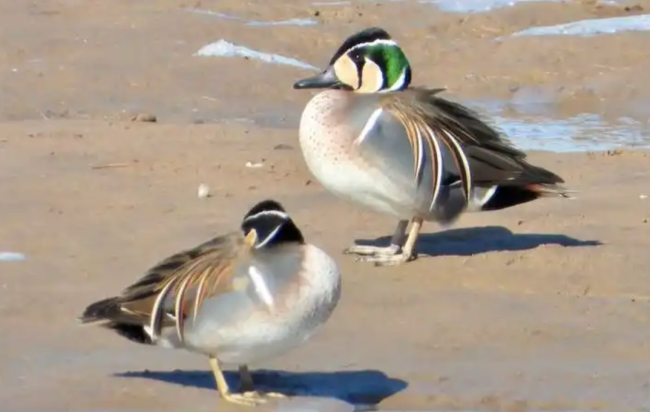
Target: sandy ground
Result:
[544, 306]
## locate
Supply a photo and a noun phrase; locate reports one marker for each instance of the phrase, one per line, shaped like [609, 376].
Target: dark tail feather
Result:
[508, 196]
[103, 310]
[134, 333]
[110, 313]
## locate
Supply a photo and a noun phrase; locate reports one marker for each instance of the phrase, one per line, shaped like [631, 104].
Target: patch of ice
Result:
[11, 257]
[223, 48]
[591, 27]
[257, 23]
[476, 6]
[575, 134]
[533, 125]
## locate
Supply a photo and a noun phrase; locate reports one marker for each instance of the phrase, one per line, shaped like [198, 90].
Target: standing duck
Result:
[239, 298]
[407, 152]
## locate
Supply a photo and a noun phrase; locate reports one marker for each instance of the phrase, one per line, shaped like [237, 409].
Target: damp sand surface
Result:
[540, 307]
[544, 305]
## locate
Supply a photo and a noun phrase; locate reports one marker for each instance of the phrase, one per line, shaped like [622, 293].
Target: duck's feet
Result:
[366, 250]
[251, 398]
[260, 394]
[388, 260]
[242, 399]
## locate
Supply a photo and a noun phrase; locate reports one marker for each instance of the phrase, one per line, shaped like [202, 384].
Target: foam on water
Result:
[476, 6]
[257, 23]
[11, 257]
[223, 48]
[591, 27]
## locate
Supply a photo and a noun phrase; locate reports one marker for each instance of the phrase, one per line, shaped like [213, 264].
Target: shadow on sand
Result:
[477, 240]
[365, 387]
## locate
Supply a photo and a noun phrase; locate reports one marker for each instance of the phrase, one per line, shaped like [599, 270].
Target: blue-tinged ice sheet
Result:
[223, 48]
[591, 27]
[476, 6]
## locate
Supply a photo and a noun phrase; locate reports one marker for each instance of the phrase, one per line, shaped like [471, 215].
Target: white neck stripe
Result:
[269, 238]
[277, 213]
[385, 42]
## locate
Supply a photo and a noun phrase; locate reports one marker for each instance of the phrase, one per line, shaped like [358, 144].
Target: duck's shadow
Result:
[476, 240]
[363, 387]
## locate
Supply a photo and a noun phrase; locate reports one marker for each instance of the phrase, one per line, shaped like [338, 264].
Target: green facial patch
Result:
[391, 60]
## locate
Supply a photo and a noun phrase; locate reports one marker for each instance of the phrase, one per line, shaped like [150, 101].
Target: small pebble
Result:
[643, 197]
[204, 191]
[144, 117]
[254, 165]
[282, 146]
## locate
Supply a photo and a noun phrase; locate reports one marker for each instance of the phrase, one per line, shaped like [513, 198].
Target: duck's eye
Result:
[356, 56]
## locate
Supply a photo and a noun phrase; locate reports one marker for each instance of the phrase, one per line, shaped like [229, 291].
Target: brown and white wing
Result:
[175, 288]
[492, 158]
[424, 159]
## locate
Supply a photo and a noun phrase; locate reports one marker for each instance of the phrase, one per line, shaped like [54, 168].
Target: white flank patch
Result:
[148, 331]
[260, 286]
[370, 124]
[488, 195]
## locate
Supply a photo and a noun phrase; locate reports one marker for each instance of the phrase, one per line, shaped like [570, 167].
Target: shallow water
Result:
[537, 127]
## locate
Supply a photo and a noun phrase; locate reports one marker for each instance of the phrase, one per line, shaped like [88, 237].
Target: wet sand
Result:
[539, 307]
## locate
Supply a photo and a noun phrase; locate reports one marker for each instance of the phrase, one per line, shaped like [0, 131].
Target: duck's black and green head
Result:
[369, 61]
[267, 224]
